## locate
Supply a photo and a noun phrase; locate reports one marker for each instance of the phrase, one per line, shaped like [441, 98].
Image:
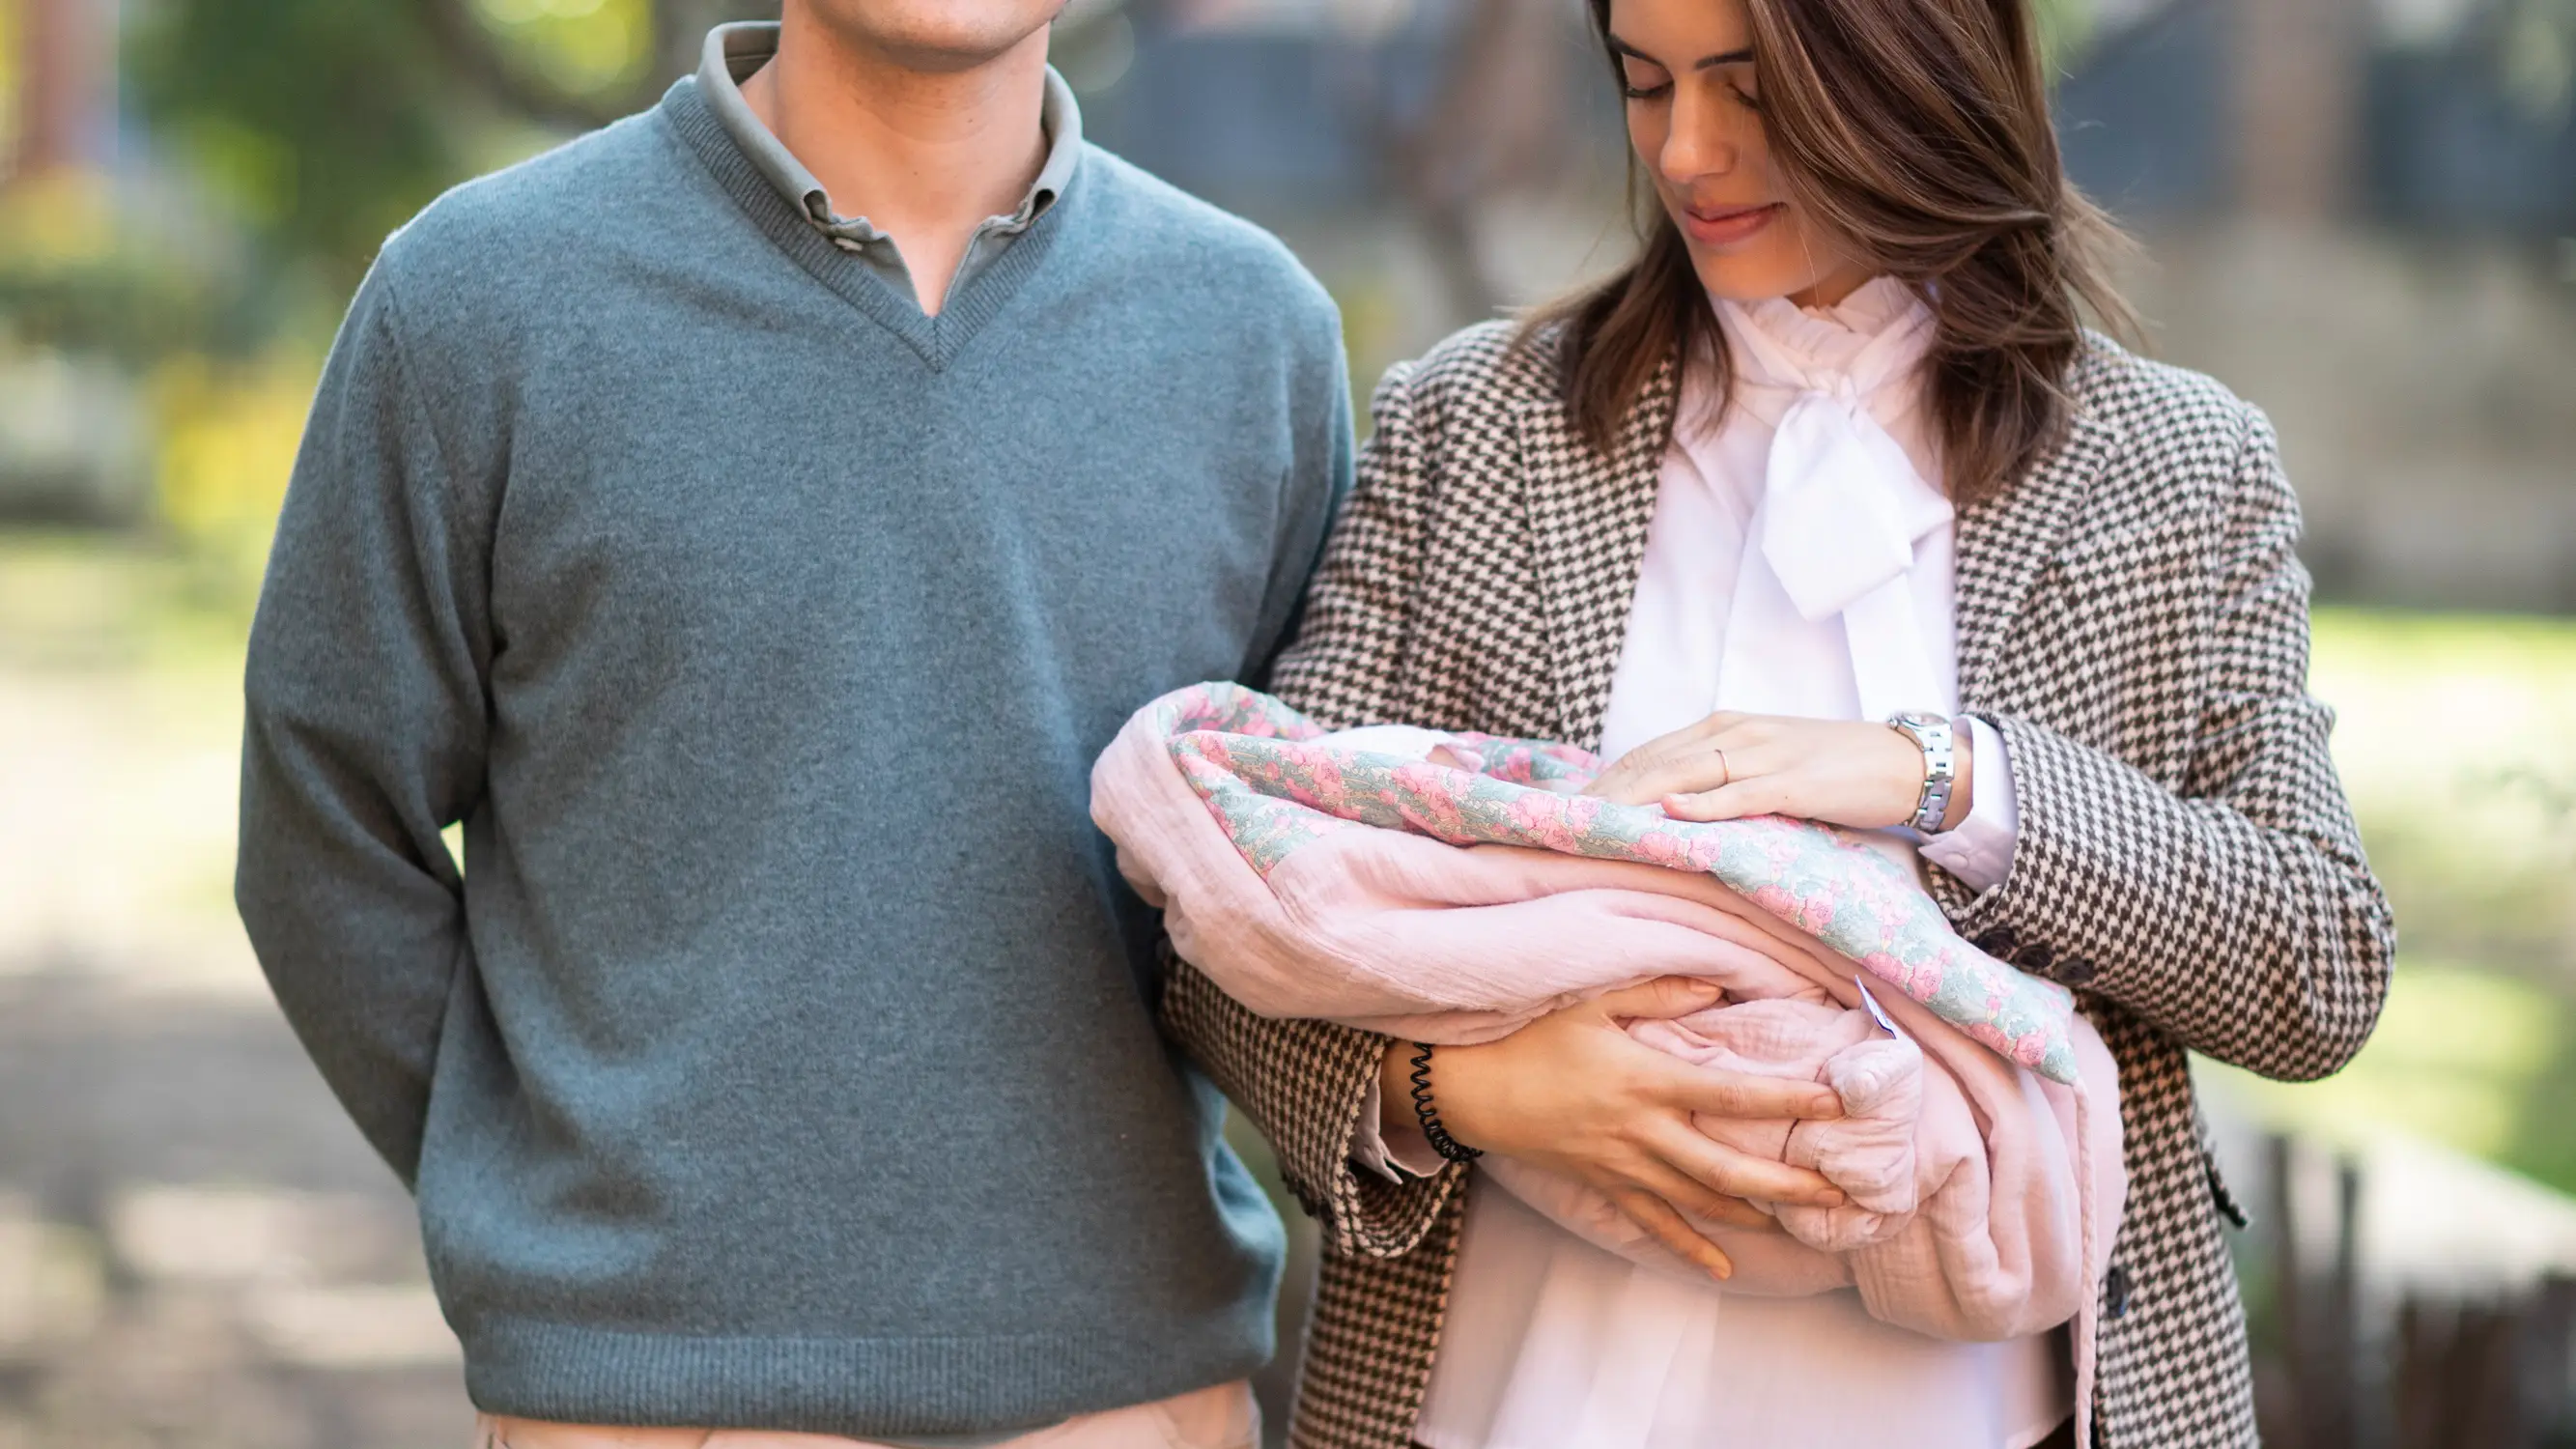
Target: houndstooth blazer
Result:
[2131, 617]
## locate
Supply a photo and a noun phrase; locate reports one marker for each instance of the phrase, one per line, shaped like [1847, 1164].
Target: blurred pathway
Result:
[196, 1249]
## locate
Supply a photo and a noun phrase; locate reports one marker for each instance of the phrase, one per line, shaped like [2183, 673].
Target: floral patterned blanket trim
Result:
[1273, 785]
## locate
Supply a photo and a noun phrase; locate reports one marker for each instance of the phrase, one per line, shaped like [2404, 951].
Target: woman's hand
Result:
[1573, 1092]
[1727, 766]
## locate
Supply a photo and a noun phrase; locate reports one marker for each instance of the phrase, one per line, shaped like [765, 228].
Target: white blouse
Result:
[1799, 562]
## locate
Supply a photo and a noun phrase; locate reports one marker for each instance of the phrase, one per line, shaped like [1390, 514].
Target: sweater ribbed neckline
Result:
[937, 340]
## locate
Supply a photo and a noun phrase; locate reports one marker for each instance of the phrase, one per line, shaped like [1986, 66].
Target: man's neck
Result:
[925, 156]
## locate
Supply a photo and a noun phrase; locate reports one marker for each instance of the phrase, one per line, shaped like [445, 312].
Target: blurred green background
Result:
[2363, 216]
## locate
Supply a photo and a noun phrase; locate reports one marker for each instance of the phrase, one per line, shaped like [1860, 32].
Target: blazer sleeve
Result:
[2238, 913]
[1305, 1083]
[1344, 666]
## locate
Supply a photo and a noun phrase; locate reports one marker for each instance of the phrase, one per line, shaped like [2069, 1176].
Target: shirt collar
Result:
[1874, 339]
[734, 51]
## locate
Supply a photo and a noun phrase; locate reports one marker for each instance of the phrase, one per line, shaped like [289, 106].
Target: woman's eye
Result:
[1746, 85]
[1641, 83]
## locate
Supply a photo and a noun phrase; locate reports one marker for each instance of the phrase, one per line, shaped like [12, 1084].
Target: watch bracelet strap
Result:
[1932, 805]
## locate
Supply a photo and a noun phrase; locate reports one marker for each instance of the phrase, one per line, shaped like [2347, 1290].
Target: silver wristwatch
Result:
[1934, 737]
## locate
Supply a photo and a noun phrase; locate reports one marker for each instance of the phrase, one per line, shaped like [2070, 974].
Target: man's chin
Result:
[936, 38]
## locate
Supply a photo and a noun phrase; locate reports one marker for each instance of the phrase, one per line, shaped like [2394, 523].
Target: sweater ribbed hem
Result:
[856, 1387]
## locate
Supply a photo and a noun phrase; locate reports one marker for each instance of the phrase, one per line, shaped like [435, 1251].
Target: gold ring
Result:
[1725, 775]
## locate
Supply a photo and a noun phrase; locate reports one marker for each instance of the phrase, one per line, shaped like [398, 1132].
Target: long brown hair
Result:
[1918, 132]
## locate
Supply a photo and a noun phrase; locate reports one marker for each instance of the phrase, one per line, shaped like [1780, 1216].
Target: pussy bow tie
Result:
[1843, 509]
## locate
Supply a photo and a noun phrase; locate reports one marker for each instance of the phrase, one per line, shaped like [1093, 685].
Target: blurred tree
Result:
[326, 123]
[321, 122]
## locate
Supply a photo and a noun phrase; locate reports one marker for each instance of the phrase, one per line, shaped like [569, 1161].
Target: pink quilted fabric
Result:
[1445, 892]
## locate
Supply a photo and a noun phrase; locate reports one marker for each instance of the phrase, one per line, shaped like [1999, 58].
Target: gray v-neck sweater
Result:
[784, 1057]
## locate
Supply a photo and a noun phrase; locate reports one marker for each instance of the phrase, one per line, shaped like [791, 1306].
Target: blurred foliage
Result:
[324, 124]
[227, 441]
[2477, 1059]
[587, 47]
[76, 276]
[2450, 744]
[297, 134]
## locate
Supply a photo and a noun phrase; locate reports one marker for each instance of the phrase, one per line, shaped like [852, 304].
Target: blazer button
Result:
[2074, 971]
[2036, 960]
[1999, 942]
[2115, 1292]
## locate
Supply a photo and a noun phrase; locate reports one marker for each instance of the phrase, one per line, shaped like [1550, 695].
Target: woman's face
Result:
[1695, 117]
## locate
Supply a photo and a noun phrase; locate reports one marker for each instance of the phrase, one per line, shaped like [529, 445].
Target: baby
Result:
[1772, 1022]
[1450, 888]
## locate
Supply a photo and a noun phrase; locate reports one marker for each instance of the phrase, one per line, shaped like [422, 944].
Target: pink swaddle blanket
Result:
[1450, 888]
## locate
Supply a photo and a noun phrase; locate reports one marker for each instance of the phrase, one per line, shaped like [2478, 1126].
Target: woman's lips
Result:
[1722, 226]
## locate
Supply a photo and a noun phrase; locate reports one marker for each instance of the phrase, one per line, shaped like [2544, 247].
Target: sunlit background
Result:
[2360, 215]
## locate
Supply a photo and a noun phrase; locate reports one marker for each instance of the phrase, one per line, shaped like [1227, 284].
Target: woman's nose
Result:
[1698, 144]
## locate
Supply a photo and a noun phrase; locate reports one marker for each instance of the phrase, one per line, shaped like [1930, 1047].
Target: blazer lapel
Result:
[1588, 515]
[2006, 540]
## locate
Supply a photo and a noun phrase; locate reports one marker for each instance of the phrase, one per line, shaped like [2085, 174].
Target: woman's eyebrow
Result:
[1733, 57]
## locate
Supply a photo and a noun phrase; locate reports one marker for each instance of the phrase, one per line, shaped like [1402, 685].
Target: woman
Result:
[1836, 446]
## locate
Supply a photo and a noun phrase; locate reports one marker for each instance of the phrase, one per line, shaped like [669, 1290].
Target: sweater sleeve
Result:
[365, 735]
[2239, 913]
[1308, 1084]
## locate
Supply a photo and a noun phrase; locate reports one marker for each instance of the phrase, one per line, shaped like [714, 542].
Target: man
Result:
[750, 521]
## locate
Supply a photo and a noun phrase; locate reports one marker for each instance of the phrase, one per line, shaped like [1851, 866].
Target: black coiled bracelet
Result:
[1438, 1136]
